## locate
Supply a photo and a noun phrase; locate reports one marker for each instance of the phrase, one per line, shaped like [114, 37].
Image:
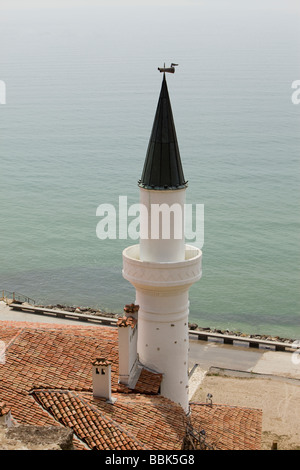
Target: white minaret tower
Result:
[161, 267]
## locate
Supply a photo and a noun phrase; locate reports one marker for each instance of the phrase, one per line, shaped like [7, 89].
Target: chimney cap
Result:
[131, 308]
[101, 361]
[126, 321]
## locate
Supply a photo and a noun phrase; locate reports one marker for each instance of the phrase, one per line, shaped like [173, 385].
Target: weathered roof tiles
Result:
[46, 379]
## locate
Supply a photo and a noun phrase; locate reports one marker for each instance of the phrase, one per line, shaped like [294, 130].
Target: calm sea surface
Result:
[82, 88]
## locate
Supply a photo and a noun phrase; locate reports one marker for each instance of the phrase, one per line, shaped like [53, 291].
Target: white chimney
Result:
[102, 379]
[127, 330]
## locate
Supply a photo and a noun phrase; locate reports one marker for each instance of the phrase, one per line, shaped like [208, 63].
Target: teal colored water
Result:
[82, 88]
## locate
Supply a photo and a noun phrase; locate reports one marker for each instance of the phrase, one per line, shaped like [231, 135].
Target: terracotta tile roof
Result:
[46, 379]
[44, 356]
[228, 427]
[148, 382]
[155, 421]
[131, 423]
[89, 422]
[8, 334]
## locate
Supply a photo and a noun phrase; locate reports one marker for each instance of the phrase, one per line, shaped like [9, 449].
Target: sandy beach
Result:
[270, 382]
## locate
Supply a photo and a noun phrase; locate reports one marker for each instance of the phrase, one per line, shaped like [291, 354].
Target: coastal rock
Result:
[191, 326]
[27, 437]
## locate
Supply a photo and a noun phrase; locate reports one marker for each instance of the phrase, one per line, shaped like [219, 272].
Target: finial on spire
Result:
[170, 69]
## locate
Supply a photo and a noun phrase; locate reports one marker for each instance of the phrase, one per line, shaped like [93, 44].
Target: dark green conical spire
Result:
[162, 168]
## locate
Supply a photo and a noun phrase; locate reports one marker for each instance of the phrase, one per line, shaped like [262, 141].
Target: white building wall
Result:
[127, 353]
[163, 339]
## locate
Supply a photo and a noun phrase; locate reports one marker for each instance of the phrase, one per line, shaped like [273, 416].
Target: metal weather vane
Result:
[170, 69]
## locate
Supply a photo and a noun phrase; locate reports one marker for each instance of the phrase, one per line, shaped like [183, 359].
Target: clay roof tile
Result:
[126, 321]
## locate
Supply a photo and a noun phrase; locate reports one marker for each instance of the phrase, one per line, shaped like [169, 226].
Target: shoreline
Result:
[192, 326]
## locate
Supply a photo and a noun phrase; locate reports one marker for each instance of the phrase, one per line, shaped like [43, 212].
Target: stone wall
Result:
[24, 437]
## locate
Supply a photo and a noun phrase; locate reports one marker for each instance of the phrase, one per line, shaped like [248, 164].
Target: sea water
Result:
[81, 92]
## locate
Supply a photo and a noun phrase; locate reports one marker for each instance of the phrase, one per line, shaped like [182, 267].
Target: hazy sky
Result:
[8, 4]
[82, 3]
